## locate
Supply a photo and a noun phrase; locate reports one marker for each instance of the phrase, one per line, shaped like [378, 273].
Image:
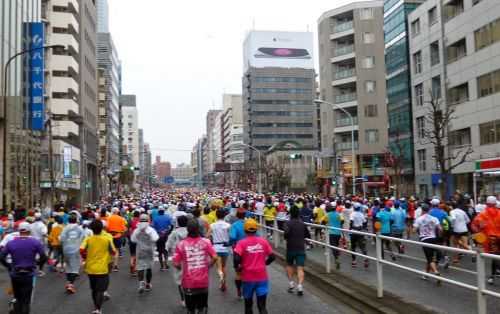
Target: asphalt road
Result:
[50, 297]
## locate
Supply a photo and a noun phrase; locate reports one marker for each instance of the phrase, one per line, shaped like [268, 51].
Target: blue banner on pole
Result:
[37, 73]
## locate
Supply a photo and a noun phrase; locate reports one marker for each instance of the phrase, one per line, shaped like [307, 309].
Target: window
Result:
[435, 58]
[371, 111]
[421, 127]
[453, 8]
[368, 38]
[368, 62]
[371, 136]
[370, 86]
[422, 160]
[460, 137]
[488, 84]
[436, 87]
[487, 35]
[489, 133]
[457, 50]
[419, 94]
[417, 62]
[415, 27]
[433, 17]
[366, 14]
[130, 125]
[458, 94]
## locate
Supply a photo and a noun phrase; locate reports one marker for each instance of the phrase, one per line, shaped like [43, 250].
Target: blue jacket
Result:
[162, 224]
[237, 232]
[398, 217]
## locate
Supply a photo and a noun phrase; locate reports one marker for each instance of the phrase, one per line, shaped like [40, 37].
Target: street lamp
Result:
[5, 118]
[353, 151]
[259, 153]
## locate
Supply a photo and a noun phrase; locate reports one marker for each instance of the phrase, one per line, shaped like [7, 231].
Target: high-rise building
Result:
[130, 130]
[213, 141]
[102, 16]
[88, 100]
[148, 164]
[397, 63]
[109, 112]
[455, 62]
[141, 153]
[278, 90]
[232, 134]
[20, 182]
[163, 169]
[352, 78]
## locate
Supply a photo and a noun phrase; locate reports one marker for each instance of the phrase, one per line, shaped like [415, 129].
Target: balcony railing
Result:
[340, 51]
[346, 146]
[343, 27]
[345, 122]
[345, 98]
[344, 74]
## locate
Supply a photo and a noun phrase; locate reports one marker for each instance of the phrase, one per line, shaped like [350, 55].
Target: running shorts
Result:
[260, 288]
[295, 258]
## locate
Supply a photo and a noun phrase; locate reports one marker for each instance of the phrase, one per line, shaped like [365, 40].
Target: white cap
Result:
[435, 201]
[24, 227]
[491, 200]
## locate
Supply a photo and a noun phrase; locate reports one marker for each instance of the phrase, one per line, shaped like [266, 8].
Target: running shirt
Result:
[384, 217]
[358, 219]
[194, 255]
[335, 220]
[427, 225]
[99, 249]
[254, 252]
[319, 215]
[220, 236]
[459, 220]
[269, 213]
[398, 217]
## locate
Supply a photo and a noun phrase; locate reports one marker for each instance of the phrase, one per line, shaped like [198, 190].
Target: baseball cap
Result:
[24, 227]
[250, 225]
[491, 200]
[144, 218]
[435, 201]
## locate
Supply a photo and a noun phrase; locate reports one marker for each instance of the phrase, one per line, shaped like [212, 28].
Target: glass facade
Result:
[398, 85]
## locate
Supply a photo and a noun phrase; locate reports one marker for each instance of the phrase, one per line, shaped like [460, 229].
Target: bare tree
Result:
[440, 120]
[278, 176]
[394, 159]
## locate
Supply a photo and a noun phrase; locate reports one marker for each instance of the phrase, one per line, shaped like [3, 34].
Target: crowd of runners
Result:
[188, 232]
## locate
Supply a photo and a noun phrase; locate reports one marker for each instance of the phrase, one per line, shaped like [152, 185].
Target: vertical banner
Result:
[67, 161]
[36, 79]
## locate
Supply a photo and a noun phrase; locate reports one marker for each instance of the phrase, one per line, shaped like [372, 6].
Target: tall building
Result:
[163, 169]
[352, 77]
[396, 38]
[109, 112]
[148, 164]
[20, 183]
[278, 90]
[213, 141]
[455, 60]
[141, 153]
[102, 16]
[182, 172]
[130, 130]
[232, 125]
[88, 100]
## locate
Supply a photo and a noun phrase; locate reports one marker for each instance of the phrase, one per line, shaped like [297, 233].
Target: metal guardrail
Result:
[480, 289]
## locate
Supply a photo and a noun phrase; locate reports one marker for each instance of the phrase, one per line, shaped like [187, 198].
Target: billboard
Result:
[36, 36]
[278, 49]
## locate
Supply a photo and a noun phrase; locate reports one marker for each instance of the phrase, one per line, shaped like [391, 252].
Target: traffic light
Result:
[295, 156]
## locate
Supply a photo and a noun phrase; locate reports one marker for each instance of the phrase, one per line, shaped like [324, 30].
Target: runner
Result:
[460, 232]
[358, 222]
[116, 225]
[55, 245]
[335, 221]
[175, 237]
[71, 240]
[295, 235]
[219, 234]
[251, 255]
[237, 233]
[132, 245]
[162, 223]
[384, 217]
[22, 251]
[195, 255]
[145, 237]
[398, 226]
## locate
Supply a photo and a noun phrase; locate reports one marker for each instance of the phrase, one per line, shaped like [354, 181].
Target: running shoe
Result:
[41, 273]
[222, 285]
[491, 280]
[107, 296]
[115, 269]
[142, 287]
[70, 289]
[183, 303]
[148, 287]
[291, 287]
[96, 311]
[300, 290]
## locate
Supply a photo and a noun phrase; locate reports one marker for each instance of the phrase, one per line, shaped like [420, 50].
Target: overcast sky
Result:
[179, 57]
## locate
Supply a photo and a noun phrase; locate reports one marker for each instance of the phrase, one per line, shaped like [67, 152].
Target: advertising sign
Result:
[278, 49]
[36, 77]
[67, 161]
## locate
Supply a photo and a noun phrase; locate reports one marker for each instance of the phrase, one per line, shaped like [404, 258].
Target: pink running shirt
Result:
[194, 255]
[253, 251]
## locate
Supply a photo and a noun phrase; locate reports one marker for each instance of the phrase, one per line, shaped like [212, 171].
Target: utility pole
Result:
[51, 166]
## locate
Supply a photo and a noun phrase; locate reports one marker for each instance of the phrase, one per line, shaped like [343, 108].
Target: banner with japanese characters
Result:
[36, 76]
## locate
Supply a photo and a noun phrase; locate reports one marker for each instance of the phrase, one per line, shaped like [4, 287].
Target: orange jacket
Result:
[116, 225]
[488, 222]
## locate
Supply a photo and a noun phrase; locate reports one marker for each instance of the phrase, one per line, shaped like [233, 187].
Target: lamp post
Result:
[5, 118]
[259, 153]
[353, 150]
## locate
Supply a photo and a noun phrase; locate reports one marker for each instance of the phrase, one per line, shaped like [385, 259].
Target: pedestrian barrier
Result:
[480, 273]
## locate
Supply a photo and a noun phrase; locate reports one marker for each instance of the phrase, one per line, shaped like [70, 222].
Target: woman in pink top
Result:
[195, 255]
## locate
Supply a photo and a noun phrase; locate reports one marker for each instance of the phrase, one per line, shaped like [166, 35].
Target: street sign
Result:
[168, 180]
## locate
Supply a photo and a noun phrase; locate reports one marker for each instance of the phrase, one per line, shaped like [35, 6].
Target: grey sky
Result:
[180, 56]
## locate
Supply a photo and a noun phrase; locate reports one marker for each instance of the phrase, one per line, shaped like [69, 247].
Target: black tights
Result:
[261, 305]
[22, 286]
[149, 275]
[98, 284]
[196, 302]
[71, 277]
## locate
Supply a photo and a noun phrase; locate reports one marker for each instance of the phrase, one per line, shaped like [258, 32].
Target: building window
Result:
[419, 94]
[371, 136]
[488, 84]
[415, 27]
[130, 125]
[457, 50]
[422, 160]
[458, 94]
[371, 110]
[436, 87]
[489, 133]
[433, 17]
[366, 14]
[417, 62]
[452, 9]
[368, 62]
[460, 137]
[368, 38]
[421, 127]
[435, 58]
[370, 86]
[487, 35]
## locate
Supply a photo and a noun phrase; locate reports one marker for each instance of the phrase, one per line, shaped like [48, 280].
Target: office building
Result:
[102, 16]
[352, 78]
[162, 169]
[182, 173]
[141, 153]
[232, 135]
[455, 60]
[23, 150]
[278, 90]
[148, 165]
[130, 130]
[396, 37]
[213, 130]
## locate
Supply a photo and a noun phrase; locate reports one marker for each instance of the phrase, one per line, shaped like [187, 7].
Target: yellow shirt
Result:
[99, 249]
[269, 213]
[212, 217]
[55, 232]
[319, 214]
